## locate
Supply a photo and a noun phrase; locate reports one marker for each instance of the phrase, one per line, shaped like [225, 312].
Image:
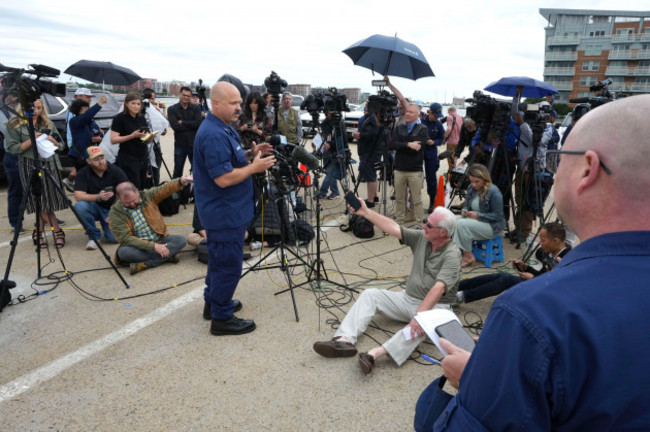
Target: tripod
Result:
[36, 184]
[317, 268]
[282, 203]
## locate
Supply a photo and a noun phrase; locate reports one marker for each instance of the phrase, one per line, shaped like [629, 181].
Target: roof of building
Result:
[548, 13]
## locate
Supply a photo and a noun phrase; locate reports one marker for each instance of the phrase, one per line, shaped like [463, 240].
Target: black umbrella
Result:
[390, 55]
[102, 72]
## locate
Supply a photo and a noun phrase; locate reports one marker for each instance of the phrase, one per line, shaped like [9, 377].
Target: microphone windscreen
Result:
[304, 157]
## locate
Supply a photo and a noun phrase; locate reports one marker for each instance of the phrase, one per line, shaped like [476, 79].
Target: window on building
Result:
[599, 19]
[586, 81]
[618, 63]
[644, 63]
[573, 19]
[584, 94]
[590, 66]
[593, 50]
[621, 48]
[625, 31]
[597, 33]
[626, 19]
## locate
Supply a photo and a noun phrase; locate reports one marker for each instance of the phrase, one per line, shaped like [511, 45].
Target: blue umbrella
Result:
[391, 56]
[507, 86]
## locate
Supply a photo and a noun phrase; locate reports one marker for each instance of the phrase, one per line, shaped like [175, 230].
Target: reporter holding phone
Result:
[94, 191]
[482, 216]
[127, 131]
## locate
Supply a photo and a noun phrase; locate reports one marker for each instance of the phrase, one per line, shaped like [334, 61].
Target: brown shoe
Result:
[335, 348]
[366, 363]
[174, 260]
[137, 267]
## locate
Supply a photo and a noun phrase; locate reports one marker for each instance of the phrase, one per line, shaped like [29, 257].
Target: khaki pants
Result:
[412, 179]
[395, 305]
[450, 160]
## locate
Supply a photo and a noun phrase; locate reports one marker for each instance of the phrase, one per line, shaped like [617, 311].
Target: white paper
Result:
[317, 141]
[431, 319]
[45, 147]
[406, 332]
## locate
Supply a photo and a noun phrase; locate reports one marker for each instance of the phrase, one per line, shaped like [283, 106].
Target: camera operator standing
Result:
[224, 198]
[370, 148]
[436, 134]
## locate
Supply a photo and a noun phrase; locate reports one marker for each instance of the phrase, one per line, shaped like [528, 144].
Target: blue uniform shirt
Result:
[217, 151]
[566, 351]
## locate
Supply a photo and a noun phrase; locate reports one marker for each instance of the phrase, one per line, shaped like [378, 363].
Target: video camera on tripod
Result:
[29, 89]
[588, 103]
[201, 90]
[275, 85]
[490, 115]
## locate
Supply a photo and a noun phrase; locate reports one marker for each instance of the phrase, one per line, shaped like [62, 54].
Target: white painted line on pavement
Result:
[54, 368]
[58, 366]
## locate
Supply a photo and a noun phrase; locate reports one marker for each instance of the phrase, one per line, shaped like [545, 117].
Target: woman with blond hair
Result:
[19, 144]
[482, 216]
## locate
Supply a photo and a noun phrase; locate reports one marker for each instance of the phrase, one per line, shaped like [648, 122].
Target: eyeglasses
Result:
[553, 156]
[428, 225]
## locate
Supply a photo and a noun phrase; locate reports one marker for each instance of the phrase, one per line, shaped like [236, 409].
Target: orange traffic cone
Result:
[440, 194]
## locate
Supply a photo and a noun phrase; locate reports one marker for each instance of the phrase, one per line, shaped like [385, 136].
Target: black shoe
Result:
[370, 204]
[430, 209]
[445, 154]
[206, 308]
[376, 200]
[233, 326]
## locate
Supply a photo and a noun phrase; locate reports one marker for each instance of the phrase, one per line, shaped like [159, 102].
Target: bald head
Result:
[590, 201]
[226, 101]
[618, 132]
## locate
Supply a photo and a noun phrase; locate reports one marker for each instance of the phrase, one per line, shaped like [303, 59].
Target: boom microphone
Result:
[580, 100]
[304, 157]
[45, 70]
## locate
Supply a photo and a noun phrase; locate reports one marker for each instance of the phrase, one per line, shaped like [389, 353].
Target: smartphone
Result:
[454, 332]
[108, 189]
[521, 267]
[351, 199]
[46, 131]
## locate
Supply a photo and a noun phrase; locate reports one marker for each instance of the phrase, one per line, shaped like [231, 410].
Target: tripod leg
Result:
[87, 228]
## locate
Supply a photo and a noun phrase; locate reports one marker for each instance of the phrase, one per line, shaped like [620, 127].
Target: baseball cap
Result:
[83, 92]
[93, 151]
[436, 109]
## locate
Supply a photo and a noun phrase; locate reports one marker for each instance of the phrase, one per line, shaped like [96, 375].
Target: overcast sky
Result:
[467, 43]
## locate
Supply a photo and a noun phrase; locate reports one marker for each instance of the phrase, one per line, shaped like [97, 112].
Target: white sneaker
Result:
[91, 245]
[460, 297]
[68, 185]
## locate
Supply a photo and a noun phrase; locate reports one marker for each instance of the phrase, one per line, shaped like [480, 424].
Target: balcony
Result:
[627, 71]
[629, 55]
[638, 87]
[561, 56]
[561, 85]
[553, 70]
[563, 40]
[631, 37]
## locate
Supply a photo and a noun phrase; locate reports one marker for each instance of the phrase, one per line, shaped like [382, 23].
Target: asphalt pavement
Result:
[92, 355]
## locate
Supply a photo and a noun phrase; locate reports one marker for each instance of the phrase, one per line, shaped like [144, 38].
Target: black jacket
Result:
[185, 132]
[407, 159]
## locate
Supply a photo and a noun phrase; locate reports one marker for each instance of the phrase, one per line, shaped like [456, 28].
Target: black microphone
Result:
[45, 70]
[580, 100]
[305, 158]
[274, 141]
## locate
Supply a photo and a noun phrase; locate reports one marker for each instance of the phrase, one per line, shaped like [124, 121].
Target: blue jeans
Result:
[151, 258]
[14, 190]
[180, 153]
[487, 285]
[89, 212]
[330, 183]
[225, 258]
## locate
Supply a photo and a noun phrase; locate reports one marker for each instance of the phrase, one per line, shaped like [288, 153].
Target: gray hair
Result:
[468, 121]
[448, 221]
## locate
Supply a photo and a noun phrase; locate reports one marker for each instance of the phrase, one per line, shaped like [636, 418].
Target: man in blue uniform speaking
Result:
[224, 198]
[568, 350]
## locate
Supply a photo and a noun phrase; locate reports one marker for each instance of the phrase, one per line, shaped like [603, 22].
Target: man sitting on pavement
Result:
[94, 192]
[139, 227]
[431, 284]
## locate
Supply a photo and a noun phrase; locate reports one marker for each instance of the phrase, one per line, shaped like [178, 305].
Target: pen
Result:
[429, 359]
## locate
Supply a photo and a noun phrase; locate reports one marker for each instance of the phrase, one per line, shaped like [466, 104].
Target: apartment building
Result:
[585, 46]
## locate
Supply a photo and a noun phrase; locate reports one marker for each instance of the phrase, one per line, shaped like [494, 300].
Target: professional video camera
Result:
[383, 104]
[274, 84]
[589, 103]
[336, 102]
[537, 117]
[201, 90]
[490, 115]
[29, 89]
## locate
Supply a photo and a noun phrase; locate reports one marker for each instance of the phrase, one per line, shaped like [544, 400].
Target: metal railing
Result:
[556, 70]
[562, 56]
[563, 40]
[629, 54]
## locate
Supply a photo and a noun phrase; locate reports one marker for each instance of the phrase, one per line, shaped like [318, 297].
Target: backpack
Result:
[360, 227]
[169, 206]
[202, 249]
